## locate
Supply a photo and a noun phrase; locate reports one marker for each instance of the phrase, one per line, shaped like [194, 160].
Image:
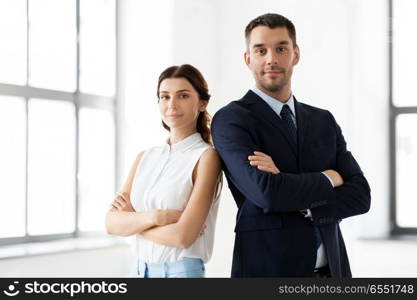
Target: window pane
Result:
[13, 41]
[51, 179]
[406, 169]
[404, 49]
[13, 164]
[97, 171]
[97, 46]
[52, 44]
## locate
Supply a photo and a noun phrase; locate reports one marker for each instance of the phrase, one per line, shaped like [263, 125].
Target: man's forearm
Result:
[285, 192]
[352, 198]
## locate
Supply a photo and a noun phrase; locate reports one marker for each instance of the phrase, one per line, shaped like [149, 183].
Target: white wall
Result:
[343, 68]
[145, 49]
[370, 108]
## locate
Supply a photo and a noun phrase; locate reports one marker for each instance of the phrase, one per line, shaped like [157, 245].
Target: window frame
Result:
[395, 111]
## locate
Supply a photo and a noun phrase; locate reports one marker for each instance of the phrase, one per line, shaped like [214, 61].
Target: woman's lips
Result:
[174, 116]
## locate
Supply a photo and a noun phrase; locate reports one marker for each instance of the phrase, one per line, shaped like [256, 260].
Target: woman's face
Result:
[179, 103]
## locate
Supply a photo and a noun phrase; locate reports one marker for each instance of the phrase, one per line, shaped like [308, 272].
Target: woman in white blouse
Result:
[170, 198]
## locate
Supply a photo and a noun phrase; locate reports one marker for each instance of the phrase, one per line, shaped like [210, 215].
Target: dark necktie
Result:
[292, 130]
[286, 117]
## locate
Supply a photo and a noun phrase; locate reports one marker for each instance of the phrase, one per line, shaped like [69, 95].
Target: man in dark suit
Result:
[287, 167]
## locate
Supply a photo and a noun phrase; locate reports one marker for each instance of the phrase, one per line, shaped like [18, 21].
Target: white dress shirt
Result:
[163, 180]
[277, 106]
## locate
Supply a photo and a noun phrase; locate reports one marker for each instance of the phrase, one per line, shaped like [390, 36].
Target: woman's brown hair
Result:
[196, 79]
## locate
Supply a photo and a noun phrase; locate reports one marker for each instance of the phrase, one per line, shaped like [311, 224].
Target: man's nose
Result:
[272, 58]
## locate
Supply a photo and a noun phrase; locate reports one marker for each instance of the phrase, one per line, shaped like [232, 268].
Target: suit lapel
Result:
[262, 110]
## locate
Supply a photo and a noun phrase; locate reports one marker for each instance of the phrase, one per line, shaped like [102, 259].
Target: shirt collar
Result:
[184, 144]
[274, 103]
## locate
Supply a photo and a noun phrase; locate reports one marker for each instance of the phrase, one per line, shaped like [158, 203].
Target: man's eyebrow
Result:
[283, 43]
[278, 43]
[257, 45]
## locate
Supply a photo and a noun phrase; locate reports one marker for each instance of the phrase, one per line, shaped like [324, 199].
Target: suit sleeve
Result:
[353, 197]
[282, 192]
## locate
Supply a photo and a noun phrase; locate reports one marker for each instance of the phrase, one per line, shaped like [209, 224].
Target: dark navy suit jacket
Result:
[273, 239]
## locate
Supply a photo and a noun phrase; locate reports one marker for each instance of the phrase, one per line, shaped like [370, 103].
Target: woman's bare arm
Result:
[123, 220]
[184, 232]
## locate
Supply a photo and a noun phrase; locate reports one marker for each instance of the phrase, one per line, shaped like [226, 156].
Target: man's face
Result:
[271, 57]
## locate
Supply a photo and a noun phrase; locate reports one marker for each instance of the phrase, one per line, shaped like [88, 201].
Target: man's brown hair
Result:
[272, 21]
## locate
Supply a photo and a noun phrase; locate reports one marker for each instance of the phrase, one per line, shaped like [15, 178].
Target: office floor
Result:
[383, 258]
[368, 258]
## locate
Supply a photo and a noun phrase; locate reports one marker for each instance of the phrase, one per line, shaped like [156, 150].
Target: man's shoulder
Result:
[314, 110]
[236, 108]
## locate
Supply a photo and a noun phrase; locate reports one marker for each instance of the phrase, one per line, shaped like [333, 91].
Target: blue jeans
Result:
[184, 268]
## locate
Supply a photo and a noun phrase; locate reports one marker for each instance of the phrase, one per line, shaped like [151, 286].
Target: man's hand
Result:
[263, 162]
[335, 177]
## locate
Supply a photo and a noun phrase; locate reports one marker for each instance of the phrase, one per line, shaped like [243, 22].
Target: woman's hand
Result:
[160, 217]
[121, 203]
[164, 217]
[263, 162]
[203, 229]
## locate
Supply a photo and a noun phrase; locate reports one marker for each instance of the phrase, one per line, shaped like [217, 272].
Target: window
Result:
[51, 167]
[13, 166]
[403, 115]
[96, 146]
[52, 44]
[98, 51]
[13, 35]
[57, 117]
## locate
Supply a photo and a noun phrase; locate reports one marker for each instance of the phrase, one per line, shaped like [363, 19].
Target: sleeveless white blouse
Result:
[163, 180]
